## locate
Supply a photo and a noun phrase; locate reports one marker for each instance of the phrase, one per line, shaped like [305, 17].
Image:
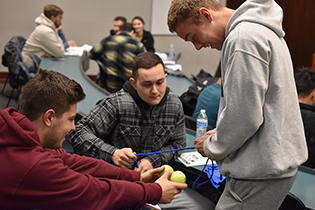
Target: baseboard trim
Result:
[3, 76]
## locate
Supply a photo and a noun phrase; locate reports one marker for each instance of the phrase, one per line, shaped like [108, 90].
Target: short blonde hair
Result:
[181, 10]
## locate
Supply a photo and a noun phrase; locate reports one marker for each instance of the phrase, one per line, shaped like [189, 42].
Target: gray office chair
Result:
[11, 57]
[291, 202]
[36, 61]
[20, 80]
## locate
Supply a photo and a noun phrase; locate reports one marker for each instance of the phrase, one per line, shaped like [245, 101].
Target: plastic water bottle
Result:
[202, 123]
[171, 51]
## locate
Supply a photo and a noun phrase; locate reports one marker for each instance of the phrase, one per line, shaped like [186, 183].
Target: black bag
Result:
[189, 98]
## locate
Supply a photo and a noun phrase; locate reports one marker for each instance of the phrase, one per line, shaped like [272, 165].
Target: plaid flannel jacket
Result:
[119, 121]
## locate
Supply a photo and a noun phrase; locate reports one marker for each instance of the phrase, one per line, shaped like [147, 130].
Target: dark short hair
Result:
[304, 80]
[122, 18]
[126, 27]
[52, 10]
[49, 90]
[138, 18]
[146, 60]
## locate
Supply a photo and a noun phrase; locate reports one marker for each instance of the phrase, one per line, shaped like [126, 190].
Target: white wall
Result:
[87, 22]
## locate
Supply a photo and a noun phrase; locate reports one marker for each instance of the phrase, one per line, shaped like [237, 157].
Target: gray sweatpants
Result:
[254, 194]
[188, 199]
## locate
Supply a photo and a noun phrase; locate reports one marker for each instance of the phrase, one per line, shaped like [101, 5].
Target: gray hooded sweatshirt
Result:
[44, 39]
[260, 132]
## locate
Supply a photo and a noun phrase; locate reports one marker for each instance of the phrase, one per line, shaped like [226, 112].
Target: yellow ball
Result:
[178, 176]
[167, 168]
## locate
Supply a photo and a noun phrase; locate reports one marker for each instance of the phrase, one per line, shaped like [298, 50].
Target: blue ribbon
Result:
[151, 153]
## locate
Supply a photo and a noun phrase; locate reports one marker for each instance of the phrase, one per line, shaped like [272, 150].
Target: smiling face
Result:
[150, 84]
[202, 35]
[137, 25]
[60, 127]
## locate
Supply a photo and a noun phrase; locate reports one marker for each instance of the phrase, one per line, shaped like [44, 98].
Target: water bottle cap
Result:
[202, 111]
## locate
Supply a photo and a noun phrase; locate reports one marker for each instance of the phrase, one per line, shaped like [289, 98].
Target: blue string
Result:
[172, 150]
[201, 174]
[151, 153]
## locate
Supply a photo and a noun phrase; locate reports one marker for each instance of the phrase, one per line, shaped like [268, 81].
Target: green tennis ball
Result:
[178, 176]
[167, 168]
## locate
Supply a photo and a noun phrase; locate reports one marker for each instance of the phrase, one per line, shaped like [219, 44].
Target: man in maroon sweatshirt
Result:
[37, 174]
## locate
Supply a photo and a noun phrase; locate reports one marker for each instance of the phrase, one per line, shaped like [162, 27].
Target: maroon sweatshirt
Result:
[32, 177]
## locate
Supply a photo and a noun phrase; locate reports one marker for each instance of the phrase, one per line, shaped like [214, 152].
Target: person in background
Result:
[144, 116]
[47, 39]
[142, 35]
[209, 100]
[37, 174]
[117, 54]
[305, 85]
[118, 22]
[259, 140]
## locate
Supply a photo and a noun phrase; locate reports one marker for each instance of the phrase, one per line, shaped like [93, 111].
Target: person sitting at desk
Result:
[117, 54]
[305, 85]
[143, 116]
[118, 22]
[142, 35]
[47, 39]
[209, 100]
[37, 174]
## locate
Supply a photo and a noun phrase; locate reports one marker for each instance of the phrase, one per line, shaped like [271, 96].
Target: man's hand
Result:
[169, 189]
[201, 140]
[124, 157]
[47, 55]
[72, 43]
[144, 165]
[151, 175]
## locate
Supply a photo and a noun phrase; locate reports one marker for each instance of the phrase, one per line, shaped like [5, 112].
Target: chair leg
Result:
[10, 97]
[5, 85]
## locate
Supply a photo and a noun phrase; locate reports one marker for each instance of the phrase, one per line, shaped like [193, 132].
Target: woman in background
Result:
[142, 35]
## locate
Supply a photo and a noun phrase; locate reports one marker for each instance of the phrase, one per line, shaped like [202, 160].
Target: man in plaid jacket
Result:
[143, 116]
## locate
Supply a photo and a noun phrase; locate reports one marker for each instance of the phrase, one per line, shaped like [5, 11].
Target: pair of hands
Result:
[169, 189]
[125, 157]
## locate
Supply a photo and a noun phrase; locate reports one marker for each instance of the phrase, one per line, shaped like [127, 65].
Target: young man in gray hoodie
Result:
[259, 140]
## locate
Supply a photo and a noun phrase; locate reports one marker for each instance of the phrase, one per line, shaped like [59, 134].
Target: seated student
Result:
[305, 84]
[118, 22]
[142, 35]
[47, 39]
[117, 53]
[143, 116]
[209, 100]
[37, 174]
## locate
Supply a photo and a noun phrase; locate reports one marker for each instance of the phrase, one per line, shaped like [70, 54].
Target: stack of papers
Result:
[78, 51]
[190, 159]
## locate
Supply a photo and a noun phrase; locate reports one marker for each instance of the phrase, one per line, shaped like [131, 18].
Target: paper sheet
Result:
[190, 159]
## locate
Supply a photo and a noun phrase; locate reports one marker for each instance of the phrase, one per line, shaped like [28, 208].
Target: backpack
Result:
[189, 98]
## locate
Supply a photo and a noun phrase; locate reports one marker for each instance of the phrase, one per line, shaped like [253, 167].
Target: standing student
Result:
[259, 139]
[305, 85]
[47, 39]
[142, 35]
[37, 174]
